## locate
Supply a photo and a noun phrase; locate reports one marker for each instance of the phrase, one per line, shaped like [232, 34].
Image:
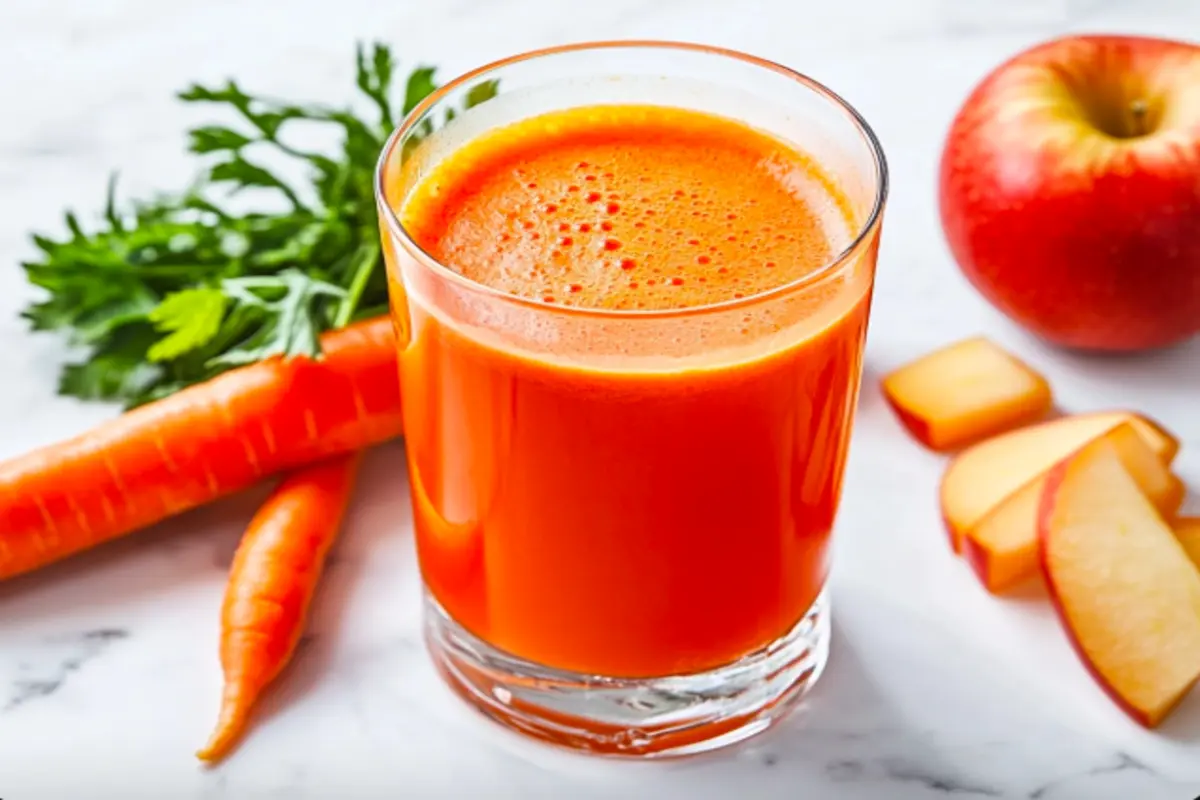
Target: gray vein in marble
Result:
[1121, 763]
[935, 778]
[87, 646]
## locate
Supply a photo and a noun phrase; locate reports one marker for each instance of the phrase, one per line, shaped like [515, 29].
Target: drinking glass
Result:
[623, 518]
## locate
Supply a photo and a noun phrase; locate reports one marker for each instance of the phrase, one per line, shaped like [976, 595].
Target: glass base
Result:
[645, 717]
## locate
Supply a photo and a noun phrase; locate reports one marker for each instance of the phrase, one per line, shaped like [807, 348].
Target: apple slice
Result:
[1122, 585]
[982, 476]
[965, 392]
[1187, 530]
[1164, 443]
[1003, 547]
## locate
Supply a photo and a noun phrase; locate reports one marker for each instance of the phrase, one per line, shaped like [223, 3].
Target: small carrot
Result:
[199, 444]
[271, 584]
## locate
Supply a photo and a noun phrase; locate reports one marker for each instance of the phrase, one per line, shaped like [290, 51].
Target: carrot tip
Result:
[254, 646]
[220, 743]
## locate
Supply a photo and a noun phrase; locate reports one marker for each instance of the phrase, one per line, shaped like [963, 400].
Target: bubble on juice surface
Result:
[637, 199]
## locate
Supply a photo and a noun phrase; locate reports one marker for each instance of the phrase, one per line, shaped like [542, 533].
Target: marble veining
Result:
[1122, 762]
[34, 681]
[903, 772]
[109, 677]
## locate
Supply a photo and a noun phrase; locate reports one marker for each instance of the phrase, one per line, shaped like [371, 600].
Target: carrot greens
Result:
[175, 290]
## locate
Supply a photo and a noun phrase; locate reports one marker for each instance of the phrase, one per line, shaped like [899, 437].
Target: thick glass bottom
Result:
[646, 717]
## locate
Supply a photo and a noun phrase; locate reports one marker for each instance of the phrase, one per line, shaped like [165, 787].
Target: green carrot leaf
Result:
[190, 318]
[420, 85]
[292, 307]
[168, 291]
[213, 138]
[481, 93]
[117, 371]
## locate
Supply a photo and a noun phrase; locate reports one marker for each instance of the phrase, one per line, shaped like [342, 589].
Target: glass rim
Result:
[414, 117]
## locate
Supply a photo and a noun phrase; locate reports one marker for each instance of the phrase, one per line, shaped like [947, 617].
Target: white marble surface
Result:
[108, 671]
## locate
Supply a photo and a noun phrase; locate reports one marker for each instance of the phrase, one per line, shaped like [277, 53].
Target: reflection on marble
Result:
[108, 671]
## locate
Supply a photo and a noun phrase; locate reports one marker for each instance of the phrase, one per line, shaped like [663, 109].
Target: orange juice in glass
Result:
[631, 292]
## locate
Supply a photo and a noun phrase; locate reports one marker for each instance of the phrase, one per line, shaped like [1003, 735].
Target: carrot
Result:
[199, 444]
[271, 584]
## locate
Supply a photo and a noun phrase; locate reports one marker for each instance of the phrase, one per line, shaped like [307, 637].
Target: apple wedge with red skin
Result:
[1002, 547]
[1187, 529]
[983, 476]
[1125, 591]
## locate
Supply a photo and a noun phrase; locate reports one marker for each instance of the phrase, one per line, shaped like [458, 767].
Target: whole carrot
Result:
[199, 444]
[271, 584]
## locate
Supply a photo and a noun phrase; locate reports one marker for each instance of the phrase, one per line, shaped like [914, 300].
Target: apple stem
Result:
[1139, 110]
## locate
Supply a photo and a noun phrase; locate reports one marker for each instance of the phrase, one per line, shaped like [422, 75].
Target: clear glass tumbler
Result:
[623, 517]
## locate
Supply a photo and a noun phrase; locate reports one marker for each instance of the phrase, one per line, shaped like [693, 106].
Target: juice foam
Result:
[629, 207]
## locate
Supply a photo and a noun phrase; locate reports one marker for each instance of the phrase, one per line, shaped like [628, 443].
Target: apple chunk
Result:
[978, 479]
[1187, 529]
[965, 392]
[1003, 547]
[1122, 585]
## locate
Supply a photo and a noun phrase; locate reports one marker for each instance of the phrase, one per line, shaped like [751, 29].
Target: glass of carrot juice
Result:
[631, 292]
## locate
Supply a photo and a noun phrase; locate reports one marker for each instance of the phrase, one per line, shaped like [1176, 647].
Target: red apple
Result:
[1070, 191]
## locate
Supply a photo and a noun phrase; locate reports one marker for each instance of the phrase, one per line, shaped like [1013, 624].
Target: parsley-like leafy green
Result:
[191, 317]
[172, 291]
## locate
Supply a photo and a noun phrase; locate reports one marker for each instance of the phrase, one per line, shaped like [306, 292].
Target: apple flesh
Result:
[1068, 195]
[979, 478]
[965, 392]
[1123, 587]
[1003, 547]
